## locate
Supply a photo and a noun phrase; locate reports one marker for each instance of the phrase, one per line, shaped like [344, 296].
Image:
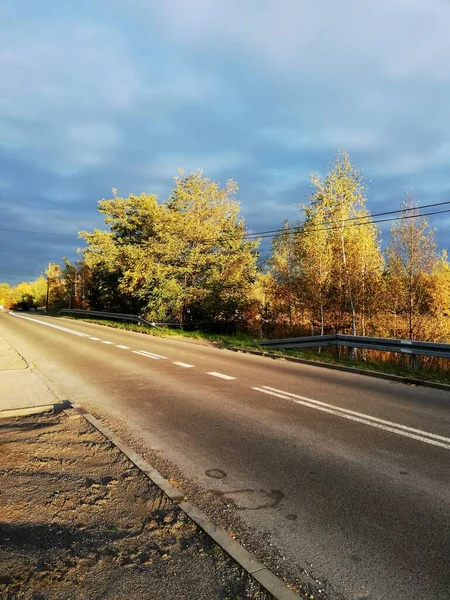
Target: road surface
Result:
[349, 474]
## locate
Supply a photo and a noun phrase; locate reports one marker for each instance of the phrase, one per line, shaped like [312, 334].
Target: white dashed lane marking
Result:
[221, 375]
[148, 354]
[152, 354]
[145, 353]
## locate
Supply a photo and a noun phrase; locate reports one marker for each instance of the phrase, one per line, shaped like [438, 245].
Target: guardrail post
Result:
[351, 353]
[414, 363]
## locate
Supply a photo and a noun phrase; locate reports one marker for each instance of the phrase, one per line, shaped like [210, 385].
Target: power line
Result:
[38, 232]
[367, 222]
[335, 226]
[292, 230]
[380, 214]
[257, 233]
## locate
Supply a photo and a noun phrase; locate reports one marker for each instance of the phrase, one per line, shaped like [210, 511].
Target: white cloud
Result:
[401, 38]
[278, 180]
[92, 143]
[11, 137]
[55, 70]
[404, 162]
[188, 86]
[168, 165]
[357, 75]
[55, 83]
[328, 139]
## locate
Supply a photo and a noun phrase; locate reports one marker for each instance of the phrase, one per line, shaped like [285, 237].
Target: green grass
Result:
[239, 340]
[247, 342]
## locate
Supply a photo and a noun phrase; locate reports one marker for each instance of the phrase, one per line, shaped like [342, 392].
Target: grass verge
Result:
[247, 342]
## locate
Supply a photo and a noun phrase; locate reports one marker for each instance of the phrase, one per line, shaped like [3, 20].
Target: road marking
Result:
[409, 432]
[103, 342]
[123, 347]
[145, 354]
[151, 354]
[72, 331]
[221, 375]
[362, 415]
[95, 339]
[185, 365]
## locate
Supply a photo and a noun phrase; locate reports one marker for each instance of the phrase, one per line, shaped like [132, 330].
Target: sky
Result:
[102, 94]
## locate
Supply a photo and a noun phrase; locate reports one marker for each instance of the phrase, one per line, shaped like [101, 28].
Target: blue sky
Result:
[97, 94]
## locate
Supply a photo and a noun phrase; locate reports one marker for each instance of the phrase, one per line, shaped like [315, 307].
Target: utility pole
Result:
[48, 287]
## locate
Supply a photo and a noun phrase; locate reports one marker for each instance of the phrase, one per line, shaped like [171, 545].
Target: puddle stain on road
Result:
[250, 499]
[215, 473]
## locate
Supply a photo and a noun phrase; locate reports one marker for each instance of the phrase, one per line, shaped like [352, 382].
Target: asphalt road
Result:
[349, 474]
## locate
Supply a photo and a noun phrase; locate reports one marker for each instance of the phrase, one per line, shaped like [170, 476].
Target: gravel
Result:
[79, 521]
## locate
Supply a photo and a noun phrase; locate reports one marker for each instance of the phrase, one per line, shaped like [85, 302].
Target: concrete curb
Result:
[376, 374]
[268, 580]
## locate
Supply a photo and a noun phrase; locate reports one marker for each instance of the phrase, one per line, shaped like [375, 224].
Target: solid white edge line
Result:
[221, 375]
[65, 329]
[362, 415]
[146, 355]
[185, 365]
[357, 419]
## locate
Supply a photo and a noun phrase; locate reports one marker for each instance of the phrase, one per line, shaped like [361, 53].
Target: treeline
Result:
[56, 288]
[190, 260]
[330, 275]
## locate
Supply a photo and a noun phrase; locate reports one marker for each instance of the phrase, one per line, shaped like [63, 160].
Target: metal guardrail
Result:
[107, 315]
[412, 347]
[127, 317]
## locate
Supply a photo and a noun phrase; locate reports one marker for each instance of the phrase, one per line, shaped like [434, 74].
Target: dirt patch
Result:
[78, 520]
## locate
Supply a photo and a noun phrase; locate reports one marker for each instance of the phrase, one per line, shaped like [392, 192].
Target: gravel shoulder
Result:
[78, 520]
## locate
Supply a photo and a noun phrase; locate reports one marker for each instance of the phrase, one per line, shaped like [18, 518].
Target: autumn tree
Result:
[6, 295]
[212, 265]
[39, 290]
[77, 283]
[439, 293]
[186, 258]
[23, 297]
[314, 253]
[352, 246]
[123, 260]
[411, 259]
[259, 315]
[284, 271]
[55, 286]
